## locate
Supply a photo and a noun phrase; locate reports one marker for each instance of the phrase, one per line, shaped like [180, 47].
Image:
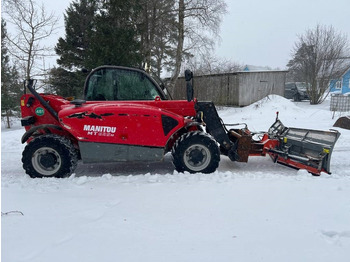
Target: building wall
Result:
[257, 85]
[345, 84]
[233, 89]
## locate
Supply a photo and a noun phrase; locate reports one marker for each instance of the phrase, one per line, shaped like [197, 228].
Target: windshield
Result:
[301, 86]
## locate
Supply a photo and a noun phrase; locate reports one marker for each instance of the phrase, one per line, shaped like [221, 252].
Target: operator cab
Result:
[116, 83]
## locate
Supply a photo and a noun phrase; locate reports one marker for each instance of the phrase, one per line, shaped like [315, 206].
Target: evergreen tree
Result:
[66, 83]
[74, 49]
[97, 33]
[80, 25]
[10, 85]
[116, 40]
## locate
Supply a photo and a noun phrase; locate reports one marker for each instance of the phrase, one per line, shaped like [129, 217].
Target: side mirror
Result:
[189, 87]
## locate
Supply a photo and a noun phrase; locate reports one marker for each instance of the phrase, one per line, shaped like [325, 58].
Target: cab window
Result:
[120, 84]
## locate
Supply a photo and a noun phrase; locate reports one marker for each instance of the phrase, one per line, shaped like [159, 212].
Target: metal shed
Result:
[234, 89]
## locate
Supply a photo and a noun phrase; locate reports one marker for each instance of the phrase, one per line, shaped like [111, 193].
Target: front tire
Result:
[49, 156]
[196, 152]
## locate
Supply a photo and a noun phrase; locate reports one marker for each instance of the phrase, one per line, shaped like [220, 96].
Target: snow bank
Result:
[262, 114]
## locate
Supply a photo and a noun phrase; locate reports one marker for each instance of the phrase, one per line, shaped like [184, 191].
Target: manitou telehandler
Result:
[127, 116]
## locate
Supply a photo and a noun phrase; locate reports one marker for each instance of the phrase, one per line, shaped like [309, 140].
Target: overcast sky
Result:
[258, 32]
[263, 33]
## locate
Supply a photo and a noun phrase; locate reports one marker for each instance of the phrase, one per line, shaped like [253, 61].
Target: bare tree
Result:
[318, 57]
[32, 25]
[208, 63]
[195, 18]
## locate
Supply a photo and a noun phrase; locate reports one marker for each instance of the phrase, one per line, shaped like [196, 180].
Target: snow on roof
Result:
[256, 68]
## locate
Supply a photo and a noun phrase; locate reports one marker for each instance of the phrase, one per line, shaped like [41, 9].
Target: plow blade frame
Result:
[304, 148]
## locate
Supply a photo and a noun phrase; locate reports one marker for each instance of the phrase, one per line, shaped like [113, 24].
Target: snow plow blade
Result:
[303, 148]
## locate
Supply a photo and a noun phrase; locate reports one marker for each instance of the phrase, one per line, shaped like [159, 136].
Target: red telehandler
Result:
[127, 116]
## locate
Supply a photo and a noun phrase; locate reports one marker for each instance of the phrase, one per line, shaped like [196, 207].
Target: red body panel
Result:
[132, 123]
[179, 107]
[120, 122]
[42, 116]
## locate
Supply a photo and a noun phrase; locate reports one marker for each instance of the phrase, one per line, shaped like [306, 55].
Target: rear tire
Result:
[49, 156]
[196, 152]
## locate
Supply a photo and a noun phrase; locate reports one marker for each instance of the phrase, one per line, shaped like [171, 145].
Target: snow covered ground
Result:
[256, 211]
